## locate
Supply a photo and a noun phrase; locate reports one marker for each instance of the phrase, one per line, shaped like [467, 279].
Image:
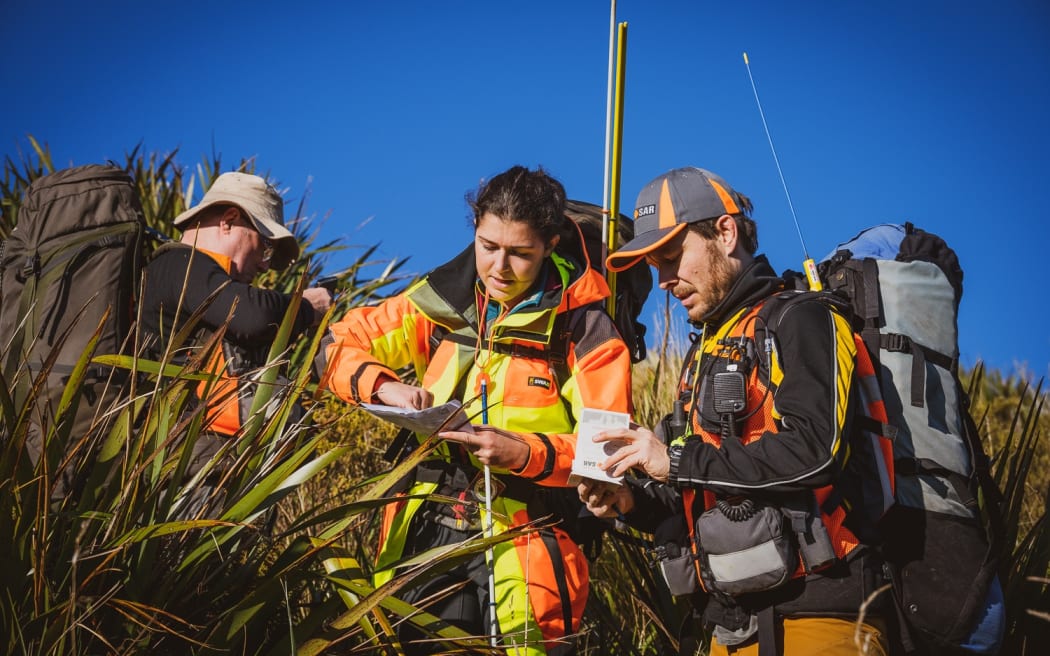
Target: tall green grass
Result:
[631, 599]
[278, 559]
[121, 562]
[1013, 418]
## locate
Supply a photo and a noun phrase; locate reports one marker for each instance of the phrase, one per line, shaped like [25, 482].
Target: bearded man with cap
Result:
[756, 442]
[236, 232]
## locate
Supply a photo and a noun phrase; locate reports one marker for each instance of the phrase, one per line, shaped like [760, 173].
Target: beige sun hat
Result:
[262, 205]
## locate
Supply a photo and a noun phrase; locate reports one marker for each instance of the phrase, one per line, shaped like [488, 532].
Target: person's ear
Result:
[551, 245]
[229, 218]
[726, 233]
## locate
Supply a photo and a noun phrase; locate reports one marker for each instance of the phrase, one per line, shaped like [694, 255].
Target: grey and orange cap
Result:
[260, 202]
[668, 204]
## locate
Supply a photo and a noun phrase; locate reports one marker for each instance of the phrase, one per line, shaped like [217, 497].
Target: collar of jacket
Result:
[223, 261]
[446, 296]
[756, 282]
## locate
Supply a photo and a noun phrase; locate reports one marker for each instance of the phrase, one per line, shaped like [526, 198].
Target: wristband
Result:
[674, 453]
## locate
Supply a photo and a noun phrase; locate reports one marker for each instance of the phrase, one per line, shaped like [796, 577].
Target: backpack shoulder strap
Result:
[165, 246]
[563, 335]
[565, 324]
[773, 308]
[563, 332]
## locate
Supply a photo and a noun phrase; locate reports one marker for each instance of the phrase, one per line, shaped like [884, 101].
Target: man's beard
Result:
[720, 281]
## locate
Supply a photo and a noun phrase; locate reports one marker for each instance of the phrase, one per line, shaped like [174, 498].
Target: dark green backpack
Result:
[69, 268]
[632, 284]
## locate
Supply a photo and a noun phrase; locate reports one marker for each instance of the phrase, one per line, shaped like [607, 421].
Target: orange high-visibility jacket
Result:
[524, 395]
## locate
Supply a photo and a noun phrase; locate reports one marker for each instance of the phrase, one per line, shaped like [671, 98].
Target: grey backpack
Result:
[943, 537]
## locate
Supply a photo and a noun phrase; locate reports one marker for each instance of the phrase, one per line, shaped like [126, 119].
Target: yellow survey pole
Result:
[617, 151]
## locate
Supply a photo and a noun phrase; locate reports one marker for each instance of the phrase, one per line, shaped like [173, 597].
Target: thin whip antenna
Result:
[608, 133]
[808, 265]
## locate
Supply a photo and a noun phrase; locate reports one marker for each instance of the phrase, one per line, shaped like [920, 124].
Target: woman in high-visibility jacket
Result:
[519, 309]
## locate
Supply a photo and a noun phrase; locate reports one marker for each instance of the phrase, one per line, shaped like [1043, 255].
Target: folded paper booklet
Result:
[590, 453]
[424, 422]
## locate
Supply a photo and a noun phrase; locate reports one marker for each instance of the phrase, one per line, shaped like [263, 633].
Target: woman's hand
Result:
[400, 395]
[641, 449]
[492, 446]
[605, 499]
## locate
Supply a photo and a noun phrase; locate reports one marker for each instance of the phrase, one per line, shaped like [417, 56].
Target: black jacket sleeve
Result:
[815, 351]
[194, 276]
[654, 503]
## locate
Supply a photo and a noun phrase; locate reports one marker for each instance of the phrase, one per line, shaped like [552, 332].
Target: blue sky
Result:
[932, 112]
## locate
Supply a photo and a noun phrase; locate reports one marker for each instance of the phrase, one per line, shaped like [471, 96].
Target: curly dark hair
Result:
[519, 194]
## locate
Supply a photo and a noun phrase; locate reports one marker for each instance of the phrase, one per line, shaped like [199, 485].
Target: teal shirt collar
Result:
[495, 308]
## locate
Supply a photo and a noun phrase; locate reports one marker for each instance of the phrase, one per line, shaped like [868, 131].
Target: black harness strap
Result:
[959, 482]
[513, 350]
[920, 355]
[869, 312]
[770, 632]
[396, 452]
[521, 489]
[870, 425]
[866, 306]
[550, 542]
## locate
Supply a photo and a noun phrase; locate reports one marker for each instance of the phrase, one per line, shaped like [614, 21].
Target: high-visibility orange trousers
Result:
[818, 636]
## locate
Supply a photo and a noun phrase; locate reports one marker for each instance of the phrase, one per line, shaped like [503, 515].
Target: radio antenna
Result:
[808, 265]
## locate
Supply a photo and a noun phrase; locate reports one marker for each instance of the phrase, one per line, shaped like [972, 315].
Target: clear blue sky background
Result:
[933, 112]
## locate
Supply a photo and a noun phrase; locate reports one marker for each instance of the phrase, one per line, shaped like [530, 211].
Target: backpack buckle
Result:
[30, 268]
[896, 343]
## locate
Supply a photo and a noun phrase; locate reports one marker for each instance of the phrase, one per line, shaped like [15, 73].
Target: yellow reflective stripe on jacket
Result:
[523, 396]
[846, 354]
[765, 421]
[396, 531]
[517, 590]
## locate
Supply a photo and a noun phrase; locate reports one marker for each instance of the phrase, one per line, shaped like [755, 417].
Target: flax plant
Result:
[277, 559]
[110, 564]
[131, 557]
[630, 610]
[1013, 417]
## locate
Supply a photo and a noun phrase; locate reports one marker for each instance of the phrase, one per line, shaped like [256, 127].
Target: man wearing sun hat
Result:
[756, 436]
[236, 232]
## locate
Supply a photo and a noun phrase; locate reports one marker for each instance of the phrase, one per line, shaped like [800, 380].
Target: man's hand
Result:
[320, 299]
[493, 446]
[641, 448]
[399, 395]
[605, 499]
